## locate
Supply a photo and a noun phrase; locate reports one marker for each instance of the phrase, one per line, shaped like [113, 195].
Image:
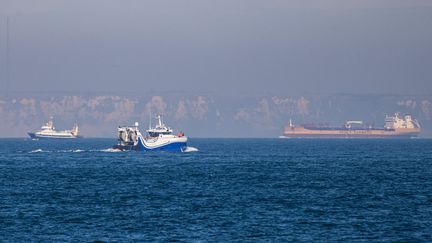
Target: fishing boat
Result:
[48, 131]
[158, 138]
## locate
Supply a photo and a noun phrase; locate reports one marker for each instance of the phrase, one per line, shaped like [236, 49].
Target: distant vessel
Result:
[48, 131]
[159, 138]
[395, 127]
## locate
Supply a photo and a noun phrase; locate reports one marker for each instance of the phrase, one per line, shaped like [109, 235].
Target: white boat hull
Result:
[48, 136]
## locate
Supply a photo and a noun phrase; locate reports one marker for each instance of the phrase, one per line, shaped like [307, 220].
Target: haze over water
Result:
[218, 69]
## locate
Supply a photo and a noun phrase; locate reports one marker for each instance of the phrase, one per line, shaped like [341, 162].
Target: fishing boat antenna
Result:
[150, 120]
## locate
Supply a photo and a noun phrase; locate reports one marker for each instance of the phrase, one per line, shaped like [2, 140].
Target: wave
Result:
[38, 151]
[110, 150]
[57, 151]
[70, 151]
[190, 149]
[107, 150]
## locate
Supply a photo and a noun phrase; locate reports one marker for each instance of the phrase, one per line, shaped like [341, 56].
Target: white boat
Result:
[48, 131]
[159, 138]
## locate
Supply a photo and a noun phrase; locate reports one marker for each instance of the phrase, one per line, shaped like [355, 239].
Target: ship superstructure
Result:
[48, 131]
[394, 127]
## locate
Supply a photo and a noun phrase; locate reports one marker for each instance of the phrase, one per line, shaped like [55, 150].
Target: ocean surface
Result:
[243, 190]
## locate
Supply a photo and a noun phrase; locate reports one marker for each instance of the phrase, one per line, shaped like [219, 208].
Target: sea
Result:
[230, 190]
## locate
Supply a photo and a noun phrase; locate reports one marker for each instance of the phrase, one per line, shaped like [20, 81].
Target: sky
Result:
[226, 46]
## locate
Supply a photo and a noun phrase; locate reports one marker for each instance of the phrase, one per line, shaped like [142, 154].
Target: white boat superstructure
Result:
[160, 128]
[396, 122]
[48, 131]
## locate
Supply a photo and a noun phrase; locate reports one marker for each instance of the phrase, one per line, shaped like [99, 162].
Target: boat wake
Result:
[190, 149]
[108, 150]
[111, 150]
[37, 151]
[57, 151]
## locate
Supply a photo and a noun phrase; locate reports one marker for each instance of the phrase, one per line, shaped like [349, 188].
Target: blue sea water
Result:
[243, 190]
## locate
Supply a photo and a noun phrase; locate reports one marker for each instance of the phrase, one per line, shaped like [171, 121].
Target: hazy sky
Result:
[245, 46]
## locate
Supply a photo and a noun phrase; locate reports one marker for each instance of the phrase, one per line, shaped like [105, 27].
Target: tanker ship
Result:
[394, 127]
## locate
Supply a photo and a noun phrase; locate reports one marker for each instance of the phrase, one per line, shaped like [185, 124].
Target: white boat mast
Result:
[159, 120]
[150, 118]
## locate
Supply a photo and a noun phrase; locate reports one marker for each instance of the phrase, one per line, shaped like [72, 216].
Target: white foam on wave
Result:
[111, 150]
[70, 151]
[190, 149]
[57, 151]
[37, 151]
